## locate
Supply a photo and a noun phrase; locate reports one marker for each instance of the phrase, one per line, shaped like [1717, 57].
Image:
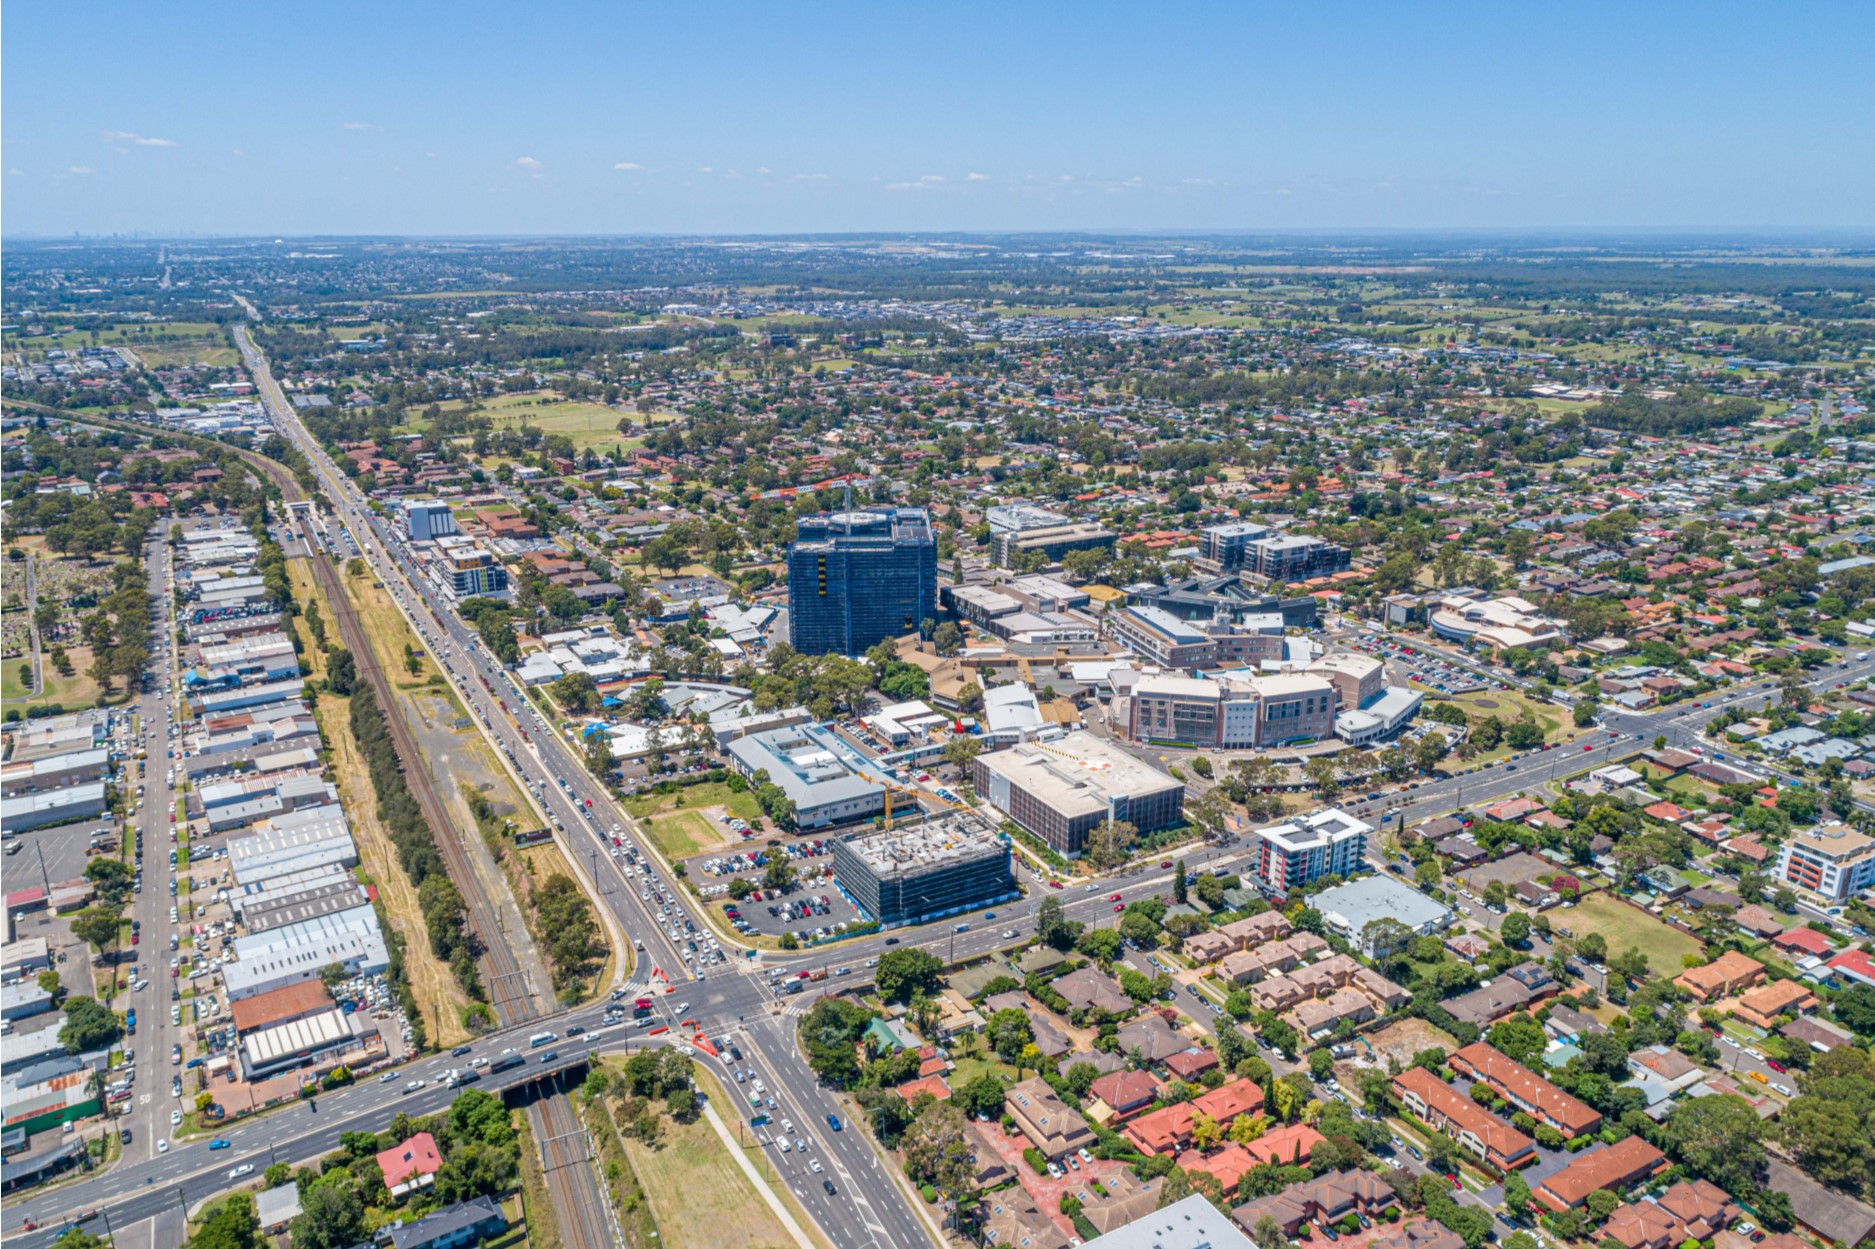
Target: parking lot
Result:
[810, 908]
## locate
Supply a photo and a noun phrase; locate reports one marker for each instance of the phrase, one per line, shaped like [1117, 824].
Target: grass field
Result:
[73, 692]
[587, 424]
[1622, 926]
[680, 834]
[700, 1197]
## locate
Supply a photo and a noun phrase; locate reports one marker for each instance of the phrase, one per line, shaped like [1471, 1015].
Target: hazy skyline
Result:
[564, 118]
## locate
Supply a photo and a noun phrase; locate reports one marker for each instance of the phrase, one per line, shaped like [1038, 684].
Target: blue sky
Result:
[472, 118]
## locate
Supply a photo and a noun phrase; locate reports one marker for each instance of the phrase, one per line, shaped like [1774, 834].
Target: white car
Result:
[246, 1168]
[175, 1118]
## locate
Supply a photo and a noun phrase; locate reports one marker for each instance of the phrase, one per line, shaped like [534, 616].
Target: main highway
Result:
[735, 1002]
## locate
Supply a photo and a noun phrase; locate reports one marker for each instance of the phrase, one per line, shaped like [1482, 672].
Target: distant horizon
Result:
[1845, 234]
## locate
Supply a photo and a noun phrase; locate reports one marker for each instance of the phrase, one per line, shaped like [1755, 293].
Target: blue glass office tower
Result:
[856, 578]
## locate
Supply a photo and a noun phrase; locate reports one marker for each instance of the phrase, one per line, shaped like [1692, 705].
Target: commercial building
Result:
[822, 777]
[19, 812]
[1193, 1223]
[1478, 1132]
[1296, 852]
[1526, 1090]
[1169, 641]
[1061, 791]
[1832, 860]
[1051, 542]
[1349, 908]
[1226, 713]
[46, 1094]
[1227, 547]
[282, 1047]
[1495, 623]
[909, 875]
[428, 519]
[857, 578]
[1228, 596]
[1295, 557]
[54, 771]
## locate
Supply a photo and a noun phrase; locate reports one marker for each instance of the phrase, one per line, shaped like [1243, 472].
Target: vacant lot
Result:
[587, 424]
[705, 805]
[1622, 926]
[1403, 1039]
[700, 1197]
[680, 834]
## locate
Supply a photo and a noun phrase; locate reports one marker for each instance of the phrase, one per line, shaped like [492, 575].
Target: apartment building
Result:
[1296, 852]
[1477, 1131]
[1526, 1090]
[1832, 860]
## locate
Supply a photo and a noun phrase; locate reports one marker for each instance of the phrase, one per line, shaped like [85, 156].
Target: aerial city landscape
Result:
[677, 721]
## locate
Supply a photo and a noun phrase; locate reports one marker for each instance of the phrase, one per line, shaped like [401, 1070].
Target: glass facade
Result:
[857, 578]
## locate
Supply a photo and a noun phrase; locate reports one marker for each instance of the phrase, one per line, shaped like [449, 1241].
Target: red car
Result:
[1454, 1179]
[1775, 1065]
[1586, 748]
[1117, 908]
[1054, 884]
[1165, 862]
[1113, 897]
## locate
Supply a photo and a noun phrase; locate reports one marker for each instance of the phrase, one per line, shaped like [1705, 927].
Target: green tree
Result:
[97, 927]
[905, 971]
[89, 1026]
[331, 1216]
[1515, 928]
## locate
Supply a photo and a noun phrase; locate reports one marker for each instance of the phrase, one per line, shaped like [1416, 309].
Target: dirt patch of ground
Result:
[1401, 1040]
[1485, 704]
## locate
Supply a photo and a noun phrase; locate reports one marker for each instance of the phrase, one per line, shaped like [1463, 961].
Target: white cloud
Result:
[763, 169]
[82, 169]
[705, 169]
[930, 182]
[1198, 181]
[359, 125]
[976, 177]
[16, 173]
[629, 166]
[808, 177]
[125, 136]
[527, 162]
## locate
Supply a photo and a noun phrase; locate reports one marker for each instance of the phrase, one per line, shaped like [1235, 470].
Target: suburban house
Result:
[1125, 1093]
[1724, 976]
[1324, 1200]
[1690, 1210]
[1764, 1005]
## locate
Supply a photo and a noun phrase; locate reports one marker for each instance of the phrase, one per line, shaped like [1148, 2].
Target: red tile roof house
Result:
[1696, 1210]
[1168, 1129]
[1526, 1090]
[411, 1165]
[1191, 1064]
[1125, 1093]
[1477, 1131]
[1803, 941]
[1617, 1168]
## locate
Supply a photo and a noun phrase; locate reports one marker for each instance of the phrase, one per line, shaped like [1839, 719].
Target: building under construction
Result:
[950, 864]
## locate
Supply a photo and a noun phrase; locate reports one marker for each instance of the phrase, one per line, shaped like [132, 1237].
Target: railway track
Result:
[565, 1155]
[501, 972]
